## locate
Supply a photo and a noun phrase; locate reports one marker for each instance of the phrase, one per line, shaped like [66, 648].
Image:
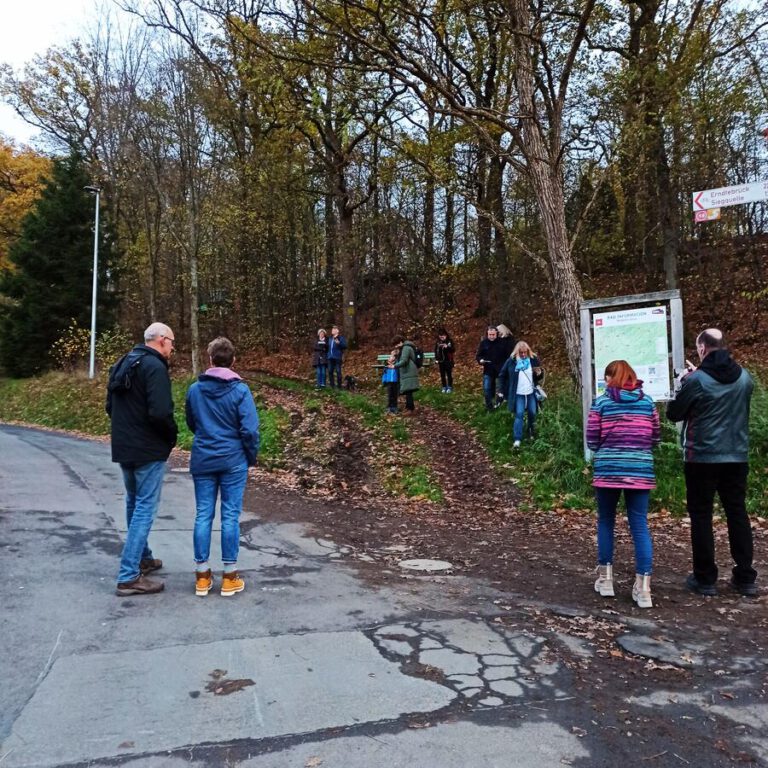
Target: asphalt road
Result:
[313, 665]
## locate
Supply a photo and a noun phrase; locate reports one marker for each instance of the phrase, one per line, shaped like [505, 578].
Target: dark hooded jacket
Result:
[222, 414]
[713, 404]
[140, 406]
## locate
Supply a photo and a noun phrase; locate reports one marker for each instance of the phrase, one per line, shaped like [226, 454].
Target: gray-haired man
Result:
[144, 432]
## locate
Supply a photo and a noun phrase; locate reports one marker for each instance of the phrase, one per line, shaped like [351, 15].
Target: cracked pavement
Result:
[317, 663]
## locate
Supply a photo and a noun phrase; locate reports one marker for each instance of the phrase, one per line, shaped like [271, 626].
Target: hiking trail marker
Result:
[708, 202]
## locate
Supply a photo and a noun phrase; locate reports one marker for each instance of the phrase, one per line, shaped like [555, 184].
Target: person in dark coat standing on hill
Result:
[221, 413]
[143, 432]
[408, 371]
[713, 404]
[336, 346]
[491, 355]
[320, 358]
[507, 339]
[444, 355]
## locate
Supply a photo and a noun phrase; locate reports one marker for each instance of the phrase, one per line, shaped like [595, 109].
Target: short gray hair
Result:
[222, 352]
[156, 330]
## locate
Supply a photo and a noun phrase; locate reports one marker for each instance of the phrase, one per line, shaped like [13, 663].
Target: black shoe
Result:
[706, 590]
[745, 589]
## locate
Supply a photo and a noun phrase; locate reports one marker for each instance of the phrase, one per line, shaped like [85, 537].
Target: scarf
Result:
[523, 364]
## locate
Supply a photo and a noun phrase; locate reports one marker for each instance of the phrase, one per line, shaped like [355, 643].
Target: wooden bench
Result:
[381, 360]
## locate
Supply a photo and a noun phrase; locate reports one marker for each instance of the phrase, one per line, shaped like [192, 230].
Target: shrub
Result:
[72, 350]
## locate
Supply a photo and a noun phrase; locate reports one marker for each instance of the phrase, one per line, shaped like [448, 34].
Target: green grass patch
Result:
[58, 401]
[274, 426]
[75, 403]
[552, 467]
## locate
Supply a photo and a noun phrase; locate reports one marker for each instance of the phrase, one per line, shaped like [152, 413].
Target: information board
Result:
[638, 336]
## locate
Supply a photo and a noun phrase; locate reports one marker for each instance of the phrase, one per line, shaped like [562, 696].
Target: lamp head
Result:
[93, 190]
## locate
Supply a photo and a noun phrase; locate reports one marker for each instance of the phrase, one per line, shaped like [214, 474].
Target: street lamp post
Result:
[92, 367]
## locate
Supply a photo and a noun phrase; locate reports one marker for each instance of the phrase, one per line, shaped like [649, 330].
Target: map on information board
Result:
[638, 336]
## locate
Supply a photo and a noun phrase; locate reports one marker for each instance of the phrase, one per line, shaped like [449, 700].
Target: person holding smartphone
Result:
[713, 402]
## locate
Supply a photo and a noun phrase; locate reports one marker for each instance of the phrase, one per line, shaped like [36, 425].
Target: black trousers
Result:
[446, 374]
[729, 481]
[409, 404]
[393, 389]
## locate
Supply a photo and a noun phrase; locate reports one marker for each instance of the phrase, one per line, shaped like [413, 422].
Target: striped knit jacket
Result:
[622, 428]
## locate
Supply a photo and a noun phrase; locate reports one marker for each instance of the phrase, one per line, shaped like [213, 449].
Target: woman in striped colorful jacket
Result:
[622, 429]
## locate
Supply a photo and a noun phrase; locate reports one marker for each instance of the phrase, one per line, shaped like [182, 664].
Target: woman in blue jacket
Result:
[222, 414]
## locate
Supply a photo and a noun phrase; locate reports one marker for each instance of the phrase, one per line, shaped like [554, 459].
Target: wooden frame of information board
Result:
[676, 356]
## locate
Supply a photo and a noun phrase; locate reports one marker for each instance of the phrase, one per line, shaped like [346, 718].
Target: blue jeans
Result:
[320, 375]
[143, 484]
[489, 390]
[334, 366]
[231, 485]
[524, 403]
[637, 516]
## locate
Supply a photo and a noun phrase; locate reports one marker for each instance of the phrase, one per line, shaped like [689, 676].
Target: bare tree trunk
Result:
[483, 234]
[429, 222]
[348, 273]
[450, 223]
[543, 163]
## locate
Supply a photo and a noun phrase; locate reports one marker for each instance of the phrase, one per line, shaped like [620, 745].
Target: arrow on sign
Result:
[697, 199]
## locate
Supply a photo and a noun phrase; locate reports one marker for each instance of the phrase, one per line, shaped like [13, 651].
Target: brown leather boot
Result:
[139, 586]
[149, 564]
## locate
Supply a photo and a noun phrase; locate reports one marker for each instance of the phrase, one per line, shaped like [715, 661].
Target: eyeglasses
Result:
[168, 338]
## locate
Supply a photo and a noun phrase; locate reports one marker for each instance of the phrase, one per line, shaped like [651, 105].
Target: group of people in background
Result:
[327, 357]
[512, 372]
[712, 401]
[221, 413]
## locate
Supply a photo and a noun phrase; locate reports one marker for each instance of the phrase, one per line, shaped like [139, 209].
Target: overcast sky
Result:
[30, 27]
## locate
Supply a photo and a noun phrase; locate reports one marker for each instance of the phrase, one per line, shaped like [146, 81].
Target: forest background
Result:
[267, 168]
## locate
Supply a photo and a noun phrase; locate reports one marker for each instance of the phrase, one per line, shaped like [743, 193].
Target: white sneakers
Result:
[641, 589]
[604, 583]
[516, 444]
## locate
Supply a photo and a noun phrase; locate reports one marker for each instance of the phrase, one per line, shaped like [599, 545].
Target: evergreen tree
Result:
[49, 281]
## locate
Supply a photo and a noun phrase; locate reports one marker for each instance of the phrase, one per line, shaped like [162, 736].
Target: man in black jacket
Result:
[144, 431]
[491, 354]
[713, 404]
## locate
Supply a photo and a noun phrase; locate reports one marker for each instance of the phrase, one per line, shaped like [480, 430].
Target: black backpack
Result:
[122, 373]
[418, 356]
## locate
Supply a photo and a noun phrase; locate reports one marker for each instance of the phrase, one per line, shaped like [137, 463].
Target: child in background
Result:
[389, 379]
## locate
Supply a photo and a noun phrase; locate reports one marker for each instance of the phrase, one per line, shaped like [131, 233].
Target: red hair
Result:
[622, 374]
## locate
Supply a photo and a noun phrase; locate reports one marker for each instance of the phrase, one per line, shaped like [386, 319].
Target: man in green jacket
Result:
[713, 404]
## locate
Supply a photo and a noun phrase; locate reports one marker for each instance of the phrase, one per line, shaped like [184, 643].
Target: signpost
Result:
[722, 197]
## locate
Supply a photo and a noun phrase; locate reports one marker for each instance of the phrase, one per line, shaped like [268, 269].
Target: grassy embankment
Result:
[551, 468]
[76, 403]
